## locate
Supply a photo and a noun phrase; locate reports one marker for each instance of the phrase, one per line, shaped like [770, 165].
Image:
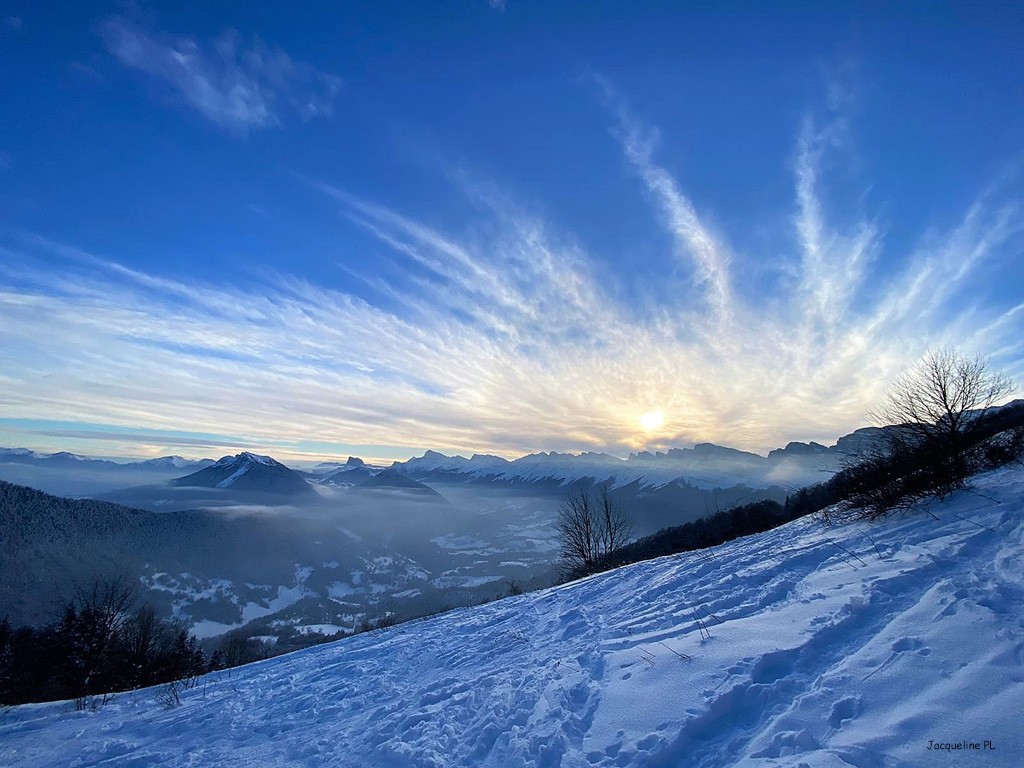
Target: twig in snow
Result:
[700, 625]
[875, 545]
[876, 669]
[973, 522]
[851, 554]
[984, 496]
[683, 656]
[704, 554]
[709, 613]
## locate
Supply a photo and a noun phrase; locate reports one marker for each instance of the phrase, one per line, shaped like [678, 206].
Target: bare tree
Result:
[576, 522]
[937, 418]
[616, 526]
[940, 404]
[590, 531]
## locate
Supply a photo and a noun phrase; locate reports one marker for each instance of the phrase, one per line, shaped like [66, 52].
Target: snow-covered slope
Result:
[857, 645]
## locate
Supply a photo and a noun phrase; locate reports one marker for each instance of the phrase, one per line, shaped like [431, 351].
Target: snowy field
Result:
[804, 646]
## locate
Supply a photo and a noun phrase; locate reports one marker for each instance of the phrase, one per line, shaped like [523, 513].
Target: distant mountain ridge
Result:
[67, 459]
[706, 466]
[174, 462]
[248, 472]
[393, 480]
[353, 472]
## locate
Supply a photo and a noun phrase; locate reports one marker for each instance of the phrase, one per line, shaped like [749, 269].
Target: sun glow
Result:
[651, 420]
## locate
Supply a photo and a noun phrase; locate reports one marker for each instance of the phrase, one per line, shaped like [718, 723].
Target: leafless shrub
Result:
[169, 694]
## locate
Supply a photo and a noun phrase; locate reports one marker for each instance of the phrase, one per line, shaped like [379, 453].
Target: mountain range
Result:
[244, 539]
[73, 460]
[664, 488]
[705, 466]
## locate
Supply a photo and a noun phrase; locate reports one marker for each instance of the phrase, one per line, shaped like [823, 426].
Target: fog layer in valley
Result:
[246, 543]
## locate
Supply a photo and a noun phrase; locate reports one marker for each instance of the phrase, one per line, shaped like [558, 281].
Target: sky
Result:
[374, 228]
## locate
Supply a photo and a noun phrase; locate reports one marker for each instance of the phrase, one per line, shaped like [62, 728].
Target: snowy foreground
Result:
[815, 657]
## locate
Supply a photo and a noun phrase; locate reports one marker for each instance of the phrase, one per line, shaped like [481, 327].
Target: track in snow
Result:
[776, 649]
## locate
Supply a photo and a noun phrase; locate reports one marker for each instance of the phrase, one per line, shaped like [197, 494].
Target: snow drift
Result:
[865, 645]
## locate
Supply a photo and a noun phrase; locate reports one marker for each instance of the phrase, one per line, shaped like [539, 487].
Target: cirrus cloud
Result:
[237, 86]
[508, 339]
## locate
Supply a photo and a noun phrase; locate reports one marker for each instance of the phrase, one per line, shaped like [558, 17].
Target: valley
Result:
[248, 545]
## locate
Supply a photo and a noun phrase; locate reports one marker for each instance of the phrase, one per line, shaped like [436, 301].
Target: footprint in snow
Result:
[772, 667]
[844, 709]
[905, 644]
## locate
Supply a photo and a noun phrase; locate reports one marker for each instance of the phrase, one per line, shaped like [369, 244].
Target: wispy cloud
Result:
[709, 254]
[834, 264]
[505, 337]
[237, 85]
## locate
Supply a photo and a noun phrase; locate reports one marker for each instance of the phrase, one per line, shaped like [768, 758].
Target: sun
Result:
[651, 420]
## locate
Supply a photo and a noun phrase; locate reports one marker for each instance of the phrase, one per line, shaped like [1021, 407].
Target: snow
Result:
[286, 596]
[464, 544]
[454, 580]
[266, 461]
[854, 645]
[189, 590]
[245, 458]
[227, 481]
[705, 466]
[341, 589]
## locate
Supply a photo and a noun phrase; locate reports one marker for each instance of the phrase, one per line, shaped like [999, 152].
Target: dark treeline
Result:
[102, 643]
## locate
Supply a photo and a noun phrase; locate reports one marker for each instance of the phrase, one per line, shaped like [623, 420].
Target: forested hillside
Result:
[48, 545]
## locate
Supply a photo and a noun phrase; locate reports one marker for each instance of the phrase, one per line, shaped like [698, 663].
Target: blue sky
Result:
[376, 228]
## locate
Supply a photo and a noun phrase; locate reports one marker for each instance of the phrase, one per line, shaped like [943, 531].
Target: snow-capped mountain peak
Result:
[247, 471]
[247, 457]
